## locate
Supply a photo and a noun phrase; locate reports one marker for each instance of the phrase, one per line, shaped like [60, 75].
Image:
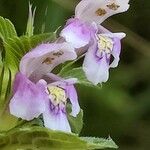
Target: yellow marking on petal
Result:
[100, 12]
[58, 54]
[48, 61]
[113, 6]
[104, 44]
[57, 94]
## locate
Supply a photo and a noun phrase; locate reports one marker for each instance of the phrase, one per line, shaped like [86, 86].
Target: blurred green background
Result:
[121, 108]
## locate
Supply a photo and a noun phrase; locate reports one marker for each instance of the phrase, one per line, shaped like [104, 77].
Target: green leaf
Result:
[6, 120]
[76, 123]
[68, 66]
[7, 29]
[99, 143]
[39, 138]
[16, 48]
[5, 84]
[76, 73]
[30, 23]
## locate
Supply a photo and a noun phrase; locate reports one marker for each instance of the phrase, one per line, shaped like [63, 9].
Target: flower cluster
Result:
[38, 91]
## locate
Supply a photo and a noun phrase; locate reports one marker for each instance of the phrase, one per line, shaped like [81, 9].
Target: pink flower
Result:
[85, 33]
[48, 97]
[38, 92]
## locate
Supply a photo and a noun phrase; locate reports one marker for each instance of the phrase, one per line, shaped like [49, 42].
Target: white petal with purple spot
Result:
[45, 57]
[99, 10]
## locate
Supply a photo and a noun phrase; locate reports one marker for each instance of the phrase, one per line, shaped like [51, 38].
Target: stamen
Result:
[57, 95]
[48, 61]
[105, 44]
[113, 6]
[100, 12]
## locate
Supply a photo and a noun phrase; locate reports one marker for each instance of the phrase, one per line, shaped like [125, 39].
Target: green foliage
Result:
[99, 143]
[7, 29]
[68, 71]
[75, 73]
[30, 23]
[76, 123]
[38, 138]
[5, 83]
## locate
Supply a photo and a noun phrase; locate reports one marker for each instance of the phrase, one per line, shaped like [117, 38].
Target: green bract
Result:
[38, 138]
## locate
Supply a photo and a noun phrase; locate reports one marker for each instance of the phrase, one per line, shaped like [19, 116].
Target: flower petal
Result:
[45, 58]
[99, 10]
[77, 33]
[72, 95]
[119, 35]
[28, 101]
[96, 69]
[116, 53]
[56, 121]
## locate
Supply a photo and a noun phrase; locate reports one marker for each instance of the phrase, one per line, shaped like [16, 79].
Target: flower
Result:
[103, 54]
[48, 97]
[55, 115]
[36, 91]
[84, 32]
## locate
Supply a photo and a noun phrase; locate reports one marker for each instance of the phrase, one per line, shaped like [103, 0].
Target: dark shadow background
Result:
[121, 108]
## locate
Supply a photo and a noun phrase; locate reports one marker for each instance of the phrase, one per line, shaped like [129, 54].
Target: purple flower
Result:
[48, 97]
[60, 91]
[103, 54]
[84, 32]
[36, 91]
